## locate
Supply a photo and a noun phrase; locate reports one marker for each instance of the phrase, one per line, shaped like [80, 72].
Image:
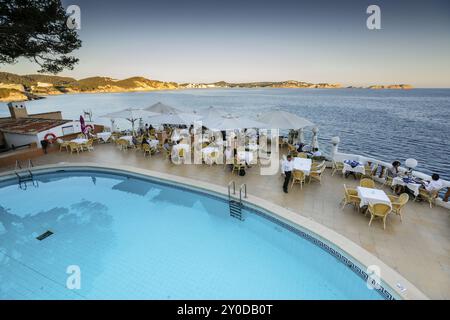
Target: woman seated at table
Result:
[393, 172]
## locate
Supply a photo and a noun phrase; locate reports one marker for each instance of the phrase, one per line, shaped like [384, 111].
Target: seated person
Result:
[145, 139]
[393, 171]
[434, 185]
[166, 145]
[300, 147]
[316, 153]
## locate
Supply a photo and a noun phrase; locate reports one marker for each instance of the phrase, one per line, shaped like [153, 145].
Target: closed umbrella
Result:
[279, 119]
[82, 124]
[210, 112]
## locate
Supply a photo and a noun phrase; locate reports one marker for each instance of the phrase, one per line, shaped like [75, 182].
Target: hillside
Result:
[16, 87]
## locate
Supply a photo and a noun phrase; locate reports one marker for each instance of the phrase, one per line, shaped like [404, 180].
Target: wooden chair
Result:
[316, 175]
[237, 165]
[351, 197]
[337, 167]
[398, 203]
[88, 145]
[298, 177]
[315, 166]
[302, 155]
[367, 183]
[74, 147]
[428, 196]
[146, 149]
[379, 210]
[63, 144]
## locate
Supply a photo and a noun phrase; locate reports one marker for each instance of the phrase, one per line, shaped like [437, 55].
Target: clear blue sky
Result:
[247, 40]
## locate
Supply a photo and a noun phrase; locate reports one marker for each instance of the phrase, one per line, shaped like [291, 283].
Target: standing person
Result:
[286, 169]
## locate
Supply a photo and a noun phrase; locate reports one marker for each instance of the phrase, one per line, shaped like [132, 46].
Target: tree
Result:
[37, 30]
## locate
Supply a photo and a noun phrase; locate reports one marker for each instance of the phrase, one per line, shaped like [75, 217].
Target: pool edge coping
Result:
[389, 276]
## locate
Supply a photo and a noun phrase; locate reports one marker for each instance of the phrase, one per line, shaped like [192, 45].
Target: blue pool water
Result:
[139, 239]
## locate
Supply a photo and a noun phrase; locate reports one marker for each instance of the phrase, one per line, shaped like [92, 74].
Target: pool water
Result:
[133, 238]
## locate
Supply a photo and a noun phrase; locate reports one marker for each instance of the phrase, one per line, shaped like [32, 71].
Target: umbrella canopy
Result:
[162, 108]
[230, 122]
[174, 118]
[129, 114]
[279, 119]
[210, 112]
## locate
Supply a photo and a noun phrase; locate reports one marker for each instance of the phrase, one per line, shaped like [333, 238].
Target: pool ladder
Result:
[26, 175]
[234, 202]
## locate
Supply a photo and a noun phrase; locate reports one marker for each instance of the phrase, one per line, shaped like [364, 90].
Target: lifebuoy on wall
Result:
[50, 137]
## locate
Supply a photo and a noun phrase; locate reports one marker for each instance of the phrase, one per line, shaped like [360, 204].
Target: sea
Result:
[386, 124]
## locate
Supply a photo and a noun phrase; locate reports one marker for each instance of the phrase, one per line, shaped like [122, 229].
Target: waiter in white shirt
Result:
[286, 168]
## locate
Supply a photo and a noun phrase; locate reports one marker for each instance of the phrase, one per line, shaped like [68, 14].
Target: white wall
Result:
[20, 139]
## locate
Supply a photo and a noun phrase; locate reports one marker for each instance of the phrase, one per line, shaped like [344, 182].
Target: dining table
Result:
[302, 164]
[372, 196]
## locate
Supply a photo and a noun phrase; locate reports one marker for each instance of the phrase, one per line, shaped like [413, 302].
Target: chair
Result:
[388, 181]
[367, 183]
[351, 197]
[212, 158]
[182, 154]
[337, 167]
[63, 144]
[291, 148]
[379, 210]
[317, 175]
[369, 170]
[317, 165]
[73, 146]
[88, 145]
[146, 149]
[298, 176]
[428, 196]
[237, 165]
[398, 203]
[302, 155]
[122, 144]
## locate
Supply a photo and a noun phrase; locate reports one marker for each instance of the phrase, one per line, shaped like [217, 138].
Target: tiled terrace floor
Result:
[418, 248]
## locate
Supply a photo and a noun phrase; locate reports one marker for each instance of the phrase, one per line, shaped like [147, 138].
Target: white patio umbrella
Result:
[174, 118]
[279, 119]
[130, 114]
[230, 122]
[162, 108]
[210, 112]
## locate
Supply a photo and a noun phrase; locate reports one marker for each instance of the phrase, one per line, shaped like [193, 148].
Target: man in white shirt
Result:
[316, 153]
[434, 185]
[286, 168]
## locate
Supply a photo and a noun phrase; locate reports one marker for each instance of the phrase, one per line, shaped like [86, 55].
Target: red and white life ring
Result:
[50, 137]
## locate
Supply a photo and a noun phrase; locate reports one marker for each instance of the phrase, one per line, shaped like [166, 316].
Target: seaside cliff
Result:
[28, 87]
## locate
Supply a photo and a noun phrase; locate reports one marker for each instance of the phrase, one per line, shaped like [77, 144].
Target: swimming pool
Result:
[135, 238]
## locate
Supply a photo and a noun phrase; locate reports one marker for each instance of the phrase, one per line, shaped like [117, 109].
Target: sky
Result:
[247, 40]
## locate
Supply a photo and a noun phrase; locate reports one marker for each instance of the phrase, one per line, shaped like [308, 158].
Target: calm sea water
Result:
[386, 124]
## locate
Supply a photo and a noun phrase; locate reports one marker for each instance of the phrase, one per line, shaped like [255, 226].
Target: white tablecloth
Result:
[153, 143]
[208, 150]
[357, 169]
[245, 156]
[104, 135]
[128, 138]
[372, 196]
[303, 165]
[79, 140]
[414, 187]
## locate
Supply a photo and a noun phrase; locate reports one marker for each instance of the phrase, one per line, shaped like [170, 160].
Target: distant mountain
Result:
[15, 87]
